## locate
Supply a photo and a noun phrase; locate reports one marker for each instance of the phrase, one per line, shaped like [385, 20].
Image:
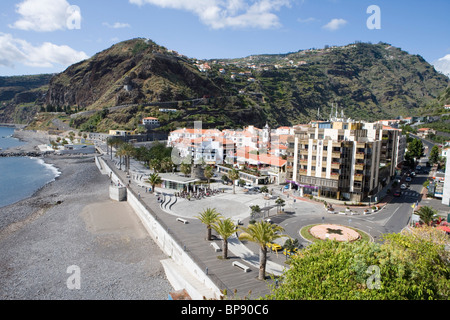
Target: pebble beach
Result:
[71, 224]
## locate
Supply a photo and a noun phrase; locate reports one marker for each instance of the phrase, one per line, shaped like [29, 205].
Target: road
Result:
[391, 219]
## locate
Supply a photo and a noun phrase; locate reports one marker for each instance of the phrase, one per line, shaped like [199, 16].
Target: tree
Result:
[208, 173]
[427, 214]
[185, 169]
[127, 150]
[154, 179]
[262, 233]
[416, 149]
[402, 267]
[434, 155]
[208, 217]
[233, 175]
[280, 203]
[225, 228]
[256, 210]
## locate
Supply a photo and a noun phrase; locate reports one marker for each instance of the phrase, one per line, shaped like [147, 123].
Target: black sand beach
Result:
[72, 222]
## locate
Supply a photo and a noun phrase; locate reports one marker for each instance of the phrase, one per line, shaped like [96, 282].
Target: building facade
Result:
[342, 159]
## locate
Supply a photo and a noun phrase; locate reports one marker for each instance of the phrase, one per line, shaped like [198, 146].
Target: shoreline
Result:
[42, 235]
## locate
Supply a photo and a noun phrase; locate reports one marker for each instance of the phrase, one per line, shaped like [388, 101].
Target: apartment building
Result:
[342, 159]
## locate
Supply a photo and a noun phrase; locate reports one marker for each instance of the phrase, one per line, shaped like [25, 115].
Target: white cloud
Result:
[220, 14]
[307, 20]
[443, 65]
[44, 15]
[117, 25]
[17, 51]
[335, 24]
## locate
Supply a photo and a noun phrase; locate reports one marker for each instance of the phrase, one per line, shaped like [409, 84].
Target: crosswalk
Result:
[410, 194]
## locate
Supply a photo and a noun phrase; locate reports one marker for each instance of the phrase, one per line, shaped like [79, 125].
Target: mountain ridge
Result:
[368, 81]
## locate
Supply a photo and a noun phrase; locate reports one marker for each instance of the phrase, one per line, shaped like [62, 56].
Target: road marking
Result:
[387, 220]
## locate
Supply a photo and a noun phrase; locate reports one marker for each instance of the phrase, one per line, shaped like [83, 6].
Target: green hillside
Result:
[366, 81]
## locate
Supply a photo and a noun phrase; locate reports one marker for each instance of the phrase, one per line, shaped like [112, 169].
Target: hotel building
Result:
[342, 159]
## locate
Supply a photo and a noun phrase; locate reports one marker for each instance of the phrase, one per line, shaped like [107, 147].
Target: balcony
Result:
[334, 176]
[304, 152]
[360, 155]
[335, 165]
[335, 154]
[358, 177]
[359, 166]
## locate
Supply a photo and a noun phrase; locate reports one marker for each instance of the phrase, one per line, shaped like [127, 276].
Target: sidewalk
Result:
[220, 271]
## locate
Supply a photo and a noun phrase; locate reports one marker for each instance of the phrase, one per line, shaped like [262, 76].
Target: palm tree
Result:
[262, 233]
[233, 175]
[225, 228]
[208, 217]
[153, 180]
[280, 203]
[185, 168]
[121, 153]
[427, 214]
[208, 173]
[155, 164]
[129, 151]
[256, 210]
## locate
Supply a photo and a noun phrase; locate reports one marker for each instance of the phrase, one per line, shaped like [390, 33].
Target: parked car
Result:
[274, 247]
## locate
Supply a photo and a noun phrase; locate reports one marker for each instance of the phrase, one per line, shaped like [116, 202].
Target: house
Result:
[425, 132]
[447, 107]
[151, 122]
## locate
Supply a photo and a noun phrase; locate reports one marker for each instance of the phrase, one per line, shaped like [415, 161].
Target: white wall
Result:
[166, 243]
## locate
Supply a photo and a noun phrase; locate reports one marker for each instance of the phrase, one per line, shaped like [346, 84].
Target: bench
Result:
[215, 246]
[241, 266]
[182, 221]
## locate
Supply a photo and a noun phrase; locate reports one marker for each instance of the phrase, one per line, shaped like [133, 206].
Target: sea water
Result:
[21, 177]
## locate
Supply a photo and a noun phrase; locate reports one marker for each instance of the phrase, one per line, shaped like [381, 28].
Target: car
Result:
[403, 187]
[397, 193]
[274, 247]
[408, 179]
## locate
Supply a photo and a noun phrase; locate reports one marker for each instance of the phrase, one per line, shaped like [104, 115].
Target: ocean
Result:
[21, 177]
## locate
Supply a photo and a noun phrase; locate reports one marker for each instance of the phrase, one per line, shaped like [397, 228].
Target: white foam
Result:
[51, 167]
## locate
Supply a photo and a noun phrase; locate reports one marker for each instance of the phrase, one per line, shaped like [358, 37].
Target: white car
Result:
[403, 186]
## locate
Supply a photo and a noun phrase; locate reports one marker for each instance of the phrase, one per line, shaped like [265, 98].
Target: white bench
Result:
[241, 266]
[215, 246]
[182, 221]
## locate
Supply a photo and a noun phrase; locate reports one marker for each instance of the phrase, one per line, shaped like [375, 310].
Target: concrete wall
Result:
[168, 245]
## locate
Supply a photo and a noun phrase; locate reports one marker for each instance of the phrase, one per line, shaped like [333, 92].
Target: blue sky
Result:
[44, 36]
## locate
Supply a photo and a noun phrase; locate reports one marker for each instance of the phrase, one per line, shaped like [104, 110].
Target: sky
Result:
[47, 36]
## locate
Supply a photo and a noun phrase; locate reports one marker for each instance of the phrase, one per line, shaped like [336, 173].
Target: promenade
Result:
[192, 237]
